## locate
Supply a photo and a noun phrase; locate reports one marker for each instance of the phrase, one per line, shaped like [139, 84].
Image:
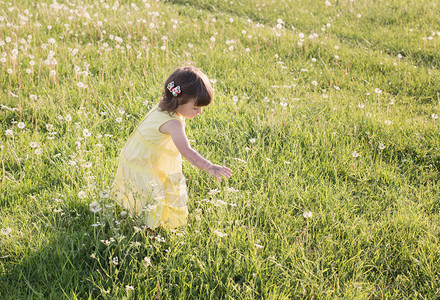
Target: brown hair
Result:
[194, 85]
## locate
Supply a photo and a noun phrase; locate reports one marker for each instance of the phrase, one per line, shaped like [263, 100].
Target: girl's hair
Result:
[194, 85]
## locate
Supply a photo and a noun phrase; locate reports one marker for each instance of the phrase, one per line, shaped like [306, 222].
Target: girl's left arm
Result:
[177, 131]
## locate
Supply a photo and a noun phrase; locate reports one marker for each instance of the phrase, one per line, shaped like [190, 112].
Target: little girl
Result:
[149, 182]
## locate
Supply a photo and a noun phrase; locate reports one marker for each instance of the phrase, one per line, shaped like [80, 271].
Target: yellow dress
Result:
[149, 182]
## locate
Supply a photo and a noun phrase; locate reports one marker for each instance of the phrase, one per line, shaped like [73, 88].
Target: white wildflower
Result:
[114, 261]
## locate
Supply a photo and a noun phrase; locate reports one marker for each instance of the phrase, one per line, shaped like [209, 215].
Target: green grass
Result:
[334, 113]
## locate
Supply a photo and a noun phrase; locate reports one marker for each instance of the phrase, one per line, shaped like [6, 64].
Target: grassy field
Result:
[327, 112]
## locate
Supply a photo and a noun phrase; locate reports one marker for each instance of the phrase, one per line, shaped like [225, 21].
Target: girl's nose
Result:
[199, 111]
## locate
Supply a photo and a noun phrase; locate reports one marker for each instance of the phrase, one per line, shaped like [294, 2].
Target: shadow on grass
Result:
[72, 255]
[59, 266]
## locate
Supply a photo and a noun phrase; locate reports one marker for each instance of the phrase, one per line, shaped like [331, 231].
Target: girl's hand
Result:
[216, 171]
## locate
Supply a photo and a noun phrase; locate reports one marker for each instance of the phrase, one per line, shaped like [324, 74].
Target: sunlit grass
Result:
[327, 113]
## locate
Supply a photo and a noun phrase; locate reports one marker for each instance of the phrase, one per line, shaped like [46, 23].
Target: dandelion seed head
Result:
[6, 231]
[307, 214]
[86, 133]
[104, 194]
[94, 207]
[88, 165]
[220, 234]
[146, 262]
[49, 127]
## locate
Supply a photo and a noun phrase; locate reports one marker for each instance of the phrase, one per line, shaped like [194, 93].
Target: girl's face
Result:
[189, 110]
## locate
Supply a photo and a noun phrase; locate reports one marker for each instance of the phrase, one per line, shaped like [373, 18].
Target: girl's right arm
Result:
[177, 131]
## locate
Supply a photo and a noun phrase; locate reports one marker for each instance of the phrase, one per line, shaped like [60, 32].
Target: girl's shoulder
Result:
[156, 117]
[166, 116]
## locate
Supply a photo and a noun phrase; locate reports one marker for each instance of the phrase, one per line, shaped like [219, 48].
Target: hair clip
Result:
[176, 91]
